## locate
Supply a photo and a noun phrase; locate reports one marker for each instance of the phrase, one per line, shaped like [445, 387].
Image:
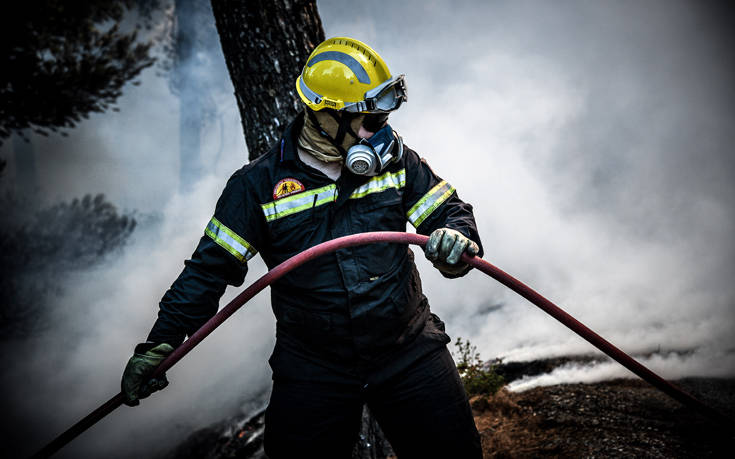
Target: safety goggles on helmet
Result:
[386, 97]
[346, 75]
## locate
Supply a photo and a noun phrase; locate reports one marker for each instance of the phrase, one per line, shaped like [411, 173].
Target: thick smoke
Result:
[592, 138]
[703, 362]
[594, 141]
[56, 377]
[76, 366]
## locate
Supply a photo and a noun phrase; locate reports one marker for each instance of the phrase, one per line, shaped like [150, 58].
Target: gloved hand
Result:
[136, 381]
[444, 249]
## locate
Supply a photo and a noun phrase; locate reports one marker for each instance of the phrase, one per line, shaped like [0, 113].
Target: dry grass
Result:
[508, 429]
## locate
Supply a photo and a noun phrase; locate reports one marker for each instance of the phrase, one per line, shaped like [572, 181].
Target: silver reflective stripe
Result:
[299, 202]
[343, 58]
[311, 95]
[381, 183]
[229, 240]
[429, 202]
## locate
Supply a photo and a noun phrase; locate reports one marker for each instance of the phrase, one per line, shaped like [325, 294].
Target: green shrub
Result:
[478, 378]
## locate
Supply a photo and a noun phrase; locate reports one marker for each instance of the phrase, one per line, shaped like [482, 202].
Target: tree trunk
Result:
[266, 43]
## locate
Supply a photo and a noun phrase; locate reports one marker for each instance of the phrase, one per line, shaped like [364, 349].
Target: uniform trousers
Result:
[422, 409]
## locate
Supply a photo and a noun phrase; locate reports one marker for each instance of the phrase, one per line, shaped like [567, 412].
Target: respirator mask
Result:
[371, 156]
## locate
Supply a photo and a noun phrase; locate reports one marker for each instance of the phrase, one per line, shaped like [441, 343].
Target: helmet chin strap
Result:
[343, 123]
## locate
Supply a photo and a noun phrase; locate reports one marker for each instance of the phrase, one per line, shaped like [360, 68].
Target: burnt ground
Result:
[620, 418]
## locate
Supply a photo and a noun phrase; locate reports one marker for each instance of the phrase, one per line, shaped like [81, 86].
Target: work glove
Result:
[444, 249]
[136, 381]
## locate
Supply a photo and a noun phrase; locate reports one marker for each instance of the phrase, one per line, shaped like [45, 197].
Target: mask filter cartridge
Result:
[371, 156]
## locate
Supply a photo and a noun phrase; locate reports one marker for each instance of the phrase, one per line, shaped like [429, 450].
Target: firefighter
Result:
[353, 327]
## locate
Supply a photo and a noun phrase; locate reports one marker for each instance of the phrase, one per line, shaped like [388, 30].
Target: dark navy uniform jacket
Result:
[357, 304]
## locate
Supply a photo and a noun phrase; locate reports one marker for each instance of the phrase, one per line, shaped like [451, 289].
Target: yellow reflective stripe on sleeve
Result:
[381, 183]
[429, 202]
[229, 240]
[299, 202]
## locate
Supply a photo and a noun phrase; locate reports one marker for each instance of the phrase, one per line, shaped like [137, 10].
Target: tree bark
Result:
[266, 43]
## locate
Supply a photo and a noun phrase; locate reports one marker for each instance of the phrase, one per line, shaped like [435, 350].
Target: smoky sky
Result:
[594, 140]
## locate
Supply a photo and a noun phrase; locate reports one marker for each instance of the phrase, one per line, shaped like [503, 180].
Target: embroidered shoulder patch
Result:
[287, 187]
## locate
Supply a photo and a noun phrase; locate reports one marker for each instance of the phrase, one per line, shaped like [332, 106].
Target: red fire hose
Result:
[398, 238]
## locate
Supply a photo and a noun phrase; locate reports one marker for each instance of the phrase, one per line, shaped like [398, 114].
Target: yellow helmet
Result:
[345, 74]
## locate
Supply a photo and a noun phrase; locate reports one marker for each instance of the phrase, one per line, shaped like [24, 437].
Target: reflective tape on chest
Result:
[306, 200]
[380, 183]
[299, 202]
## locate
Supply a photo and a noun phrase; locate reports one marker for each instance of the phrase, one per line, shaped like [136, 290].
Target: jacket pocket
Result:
[379, 212]
[378, 200]
[285, 225]
[303, 322]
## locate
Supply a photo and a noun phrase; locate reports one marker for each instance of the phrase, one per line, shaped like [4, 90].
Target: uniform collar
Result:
[289, 140]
